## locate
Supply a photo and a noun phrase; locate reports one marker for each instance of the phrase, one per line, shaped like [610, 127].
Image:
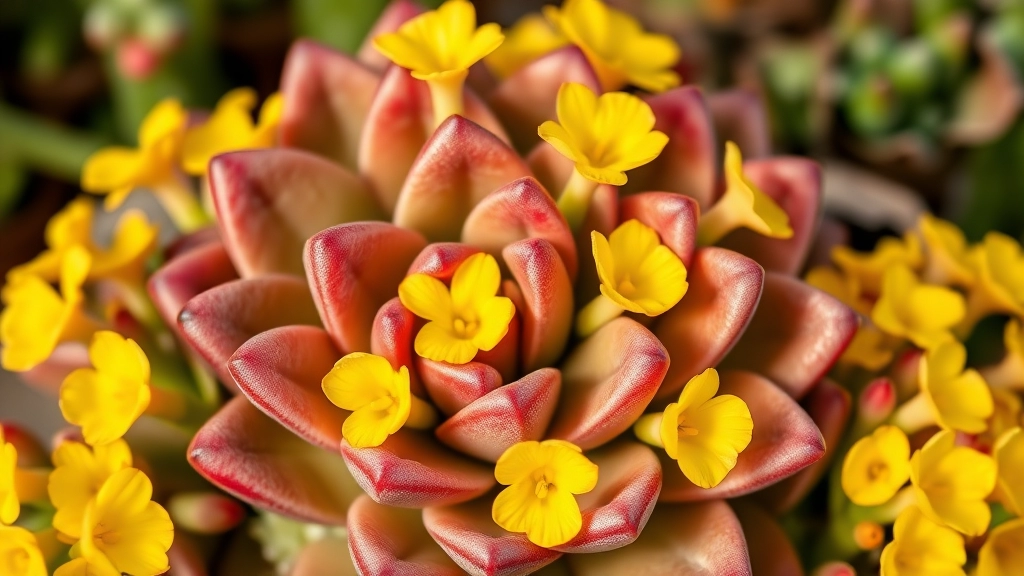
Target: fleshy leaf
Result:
[394, 329]
[771, 552]
[186, 276]
[441, 259]
[739, 116]
[547, 300]
[189, 242]
[672, 216]
[388, 540]
[452, 387]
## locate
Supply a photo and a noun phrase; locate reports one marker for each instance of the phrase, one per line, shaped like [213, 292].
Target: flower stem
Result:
[597, 313]
[575, 199]
[716, 223]
[182, 206]
[446, 96]
[648, 429]
[52, 149]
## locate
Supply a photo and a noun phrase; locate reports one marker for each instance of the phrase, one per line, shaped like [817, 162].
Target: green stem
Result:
[52, 149]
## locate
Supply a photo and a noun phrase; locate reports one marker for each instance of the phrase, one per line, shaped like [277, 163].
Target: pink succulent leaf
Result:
[739, 116]
[547, 300]
[699, 331]
[785, 441]
[771, 552]
[453, 387]
[517, 412]
[603, 216]
[688, 163]
[398, 125]
[191, 241]
[617, 509]
[50, 374]
[828, 404]
[218, 321]
[441, 259]
[252, 457]
[702, 539]
[795, 184]
[327, 556]
[327, 96]
[479, 546]
[388, 540]
[673, 216]
[607, 382]
[527, 98]
[353, 270]
[187, 276]
[412, 470]
[396, 13]
[281, 370]
[394, 330]
[516, 211]
[270, 201]
[460, 164]
[796, 335]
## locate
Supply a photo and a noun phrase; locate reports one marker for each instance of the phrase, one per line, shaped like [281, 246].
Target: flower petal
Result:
[547, 301]
[739, 116]
[771, 552]
[398, 12]
[186, 276]
[452, 387]
[385, 539]
[672, 216]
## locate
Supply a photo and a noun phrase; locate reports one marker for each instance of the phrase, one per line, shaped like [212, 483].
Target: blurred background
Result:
[909, 104]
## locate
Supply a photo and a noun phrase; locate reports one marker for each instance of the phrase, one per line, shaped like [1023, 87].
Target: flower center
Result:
[683, 430]
[878, 471]
[542, 488]
[107, 537]
[626, 286]
[465, 328]
[382, 403]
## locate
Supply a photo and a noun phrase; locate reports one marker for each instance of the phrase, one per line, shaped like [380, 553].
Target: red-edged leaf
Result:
[281, 371]
[547, 301]
[389, 540]
[441, 259]
[785, 441]
[673, 217]
[797, 333]
[327, 96]
[771, 552]
[411, 470]
[517, 412]
[251, 456]
[725, 288]
[452, 387]
[270, 201]
[739, 116]
[353, 269]
[189, 242]
[398, 12]
[187, 276]
[394, 329]
[607, 382]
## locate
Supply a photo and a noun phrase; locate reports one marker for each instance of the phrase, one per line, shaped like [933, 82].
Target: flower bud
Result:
[835, 569]
[876, 402]
[30, 452]
[136, 60]
[868, 535]
[904, 373]
[205, 512]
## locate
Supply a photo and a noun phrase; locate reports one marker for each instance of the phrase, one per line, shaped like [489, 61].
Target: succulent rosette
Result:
[432, 347]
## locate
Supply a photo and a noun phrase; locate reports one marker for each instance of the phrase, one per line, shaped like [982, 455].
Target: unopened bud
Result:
[136, 60]
[30, 452]
[904, 373]
[868, 535]
[205, 512]
[835, 569]
[877, 401]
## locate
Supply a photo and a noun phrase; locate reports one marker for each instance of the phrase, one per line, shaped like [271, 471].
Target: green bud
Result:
[913, 68]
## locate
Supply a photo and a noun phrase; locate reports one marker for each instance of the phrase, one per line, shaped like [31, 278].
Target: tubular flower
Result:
[998, 262]
[952, 397]
[920, 547]
[951, 483]
[378, 397]
[877, 466]
[618, 48]
[744, 205]
[108, 398]
[543, 479]
[530, 38]
[79, 473]
[920, 312]
[948, 259]
[230, 128]
[704, 433]
[869, 269]
[1003, 551]
[1009, 455]
[463, 321]
[19, 553]
[10, 504]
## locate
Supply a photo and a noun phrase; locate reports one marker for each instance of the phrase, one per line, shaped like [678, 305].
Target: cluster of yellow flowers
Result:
[922, 295]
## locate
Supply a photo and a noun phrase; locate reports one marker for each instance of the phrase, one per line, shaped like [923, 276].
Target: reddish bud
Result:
[835, 569]
[31, 453]
[868, 535]
[904, 373]
[876, 402]
[205, 512]
[136, 60]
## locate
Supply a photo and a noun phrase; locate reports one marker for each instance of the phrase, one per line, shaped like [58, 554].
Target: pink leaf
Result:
[452, 387]
[739, 116]
[388, 540]
[673, 217]
[771, 552]
[188, 275]
[394, 329]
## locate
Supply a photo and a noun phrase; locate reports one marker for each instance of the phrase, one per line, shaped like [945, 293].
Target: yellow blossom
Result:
[439, 46]
[116, 171]
[869, 268]
[618, 48]
[920, 547]
[1009, 373]
[79, 472]
[870, 348]
[999, 263]
[530, 38]
[105, 400]
[877, 466]
[920, 312]
[378, 397]
[638, 273]
[948, 259]
[1003, 552]
[19, 553]
[37, 317]
[10, 504]
[1006, 414]
[743, 205]
[950, 396]
[844, 288]
[123, 531]
[952, 482]
[230, 128]
[468, 318]
[1009, 455]
[704, 433]
[542, 479]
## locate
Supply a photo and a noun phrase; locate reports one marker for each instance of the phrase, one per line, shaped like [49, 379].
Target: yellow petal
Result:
[119, 357]
[359, 379]
[104, 407]
[960, 398]
[1009, 455]
[229, 128]
[699, 389]
[724, 429]
[495, 315]
[165, 121]
[877, 466]
[426, 297]
[19, 553]
[1003, 552]
[79, 472]
[636, 271]
[761, 213]
[952, 482]
[270, 118]
[475, 282]
[135, 239]
[948, 257]
[558, 137]
[145, 531]
[10, 505]
[922, 547]
[436, 342]
[530, 37]
[547, 522]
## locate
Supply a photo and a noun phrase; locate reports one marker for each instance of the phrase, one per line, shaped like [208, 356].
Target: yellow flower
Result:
[123, 531]
[616, 45]
[999, 264]
[19, 553]
[1006, 415]
[921, 312]
[953, 398]
[72, 226]
[951, 483]
[37, 317]
[844, 288]
[703, 433]
[743, 205]
[869, 349]
[1009, 373]
[920, 547]
[10, 505]
[638, 273]
[378, 397]
[1003, 552]
[439, 47]
[542, 478]
[107, 399]
[1009, 455]
[877, 466]
[869, 268]
[230, 128]
[116, 171]
[79, 472]
[530, 38]
[463, 321]
[948, 258]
